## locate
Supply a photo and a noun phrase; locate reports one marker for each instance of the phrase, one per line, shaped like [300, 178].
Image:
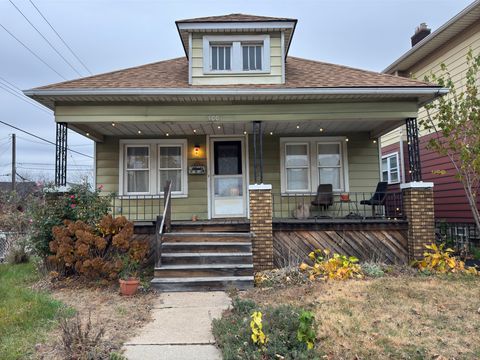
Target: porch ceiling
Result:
[147, 129]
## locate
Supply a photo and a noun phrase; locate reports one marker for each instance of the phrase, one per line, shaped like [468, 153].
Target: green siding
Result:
[363, 165]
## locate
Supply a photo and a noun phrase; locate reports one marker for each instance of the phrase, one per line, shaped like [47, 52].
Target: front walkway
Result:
[181, 328]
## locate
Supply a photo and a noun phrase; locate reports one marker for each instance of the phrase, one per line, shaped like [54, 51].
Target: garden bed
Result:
[119, 316]
[404, 316]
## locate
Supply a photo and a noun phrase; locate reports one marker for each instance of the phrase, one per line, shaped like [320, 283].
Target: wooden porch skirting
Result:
[369, 241]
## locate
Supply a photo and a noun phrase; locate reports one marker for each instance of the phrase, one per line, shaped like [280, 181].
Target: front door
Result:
[227, 176]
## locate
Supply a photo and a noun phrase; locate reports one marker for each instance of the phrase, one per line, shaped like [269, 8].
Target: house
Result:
[245, 133]
[449, 44]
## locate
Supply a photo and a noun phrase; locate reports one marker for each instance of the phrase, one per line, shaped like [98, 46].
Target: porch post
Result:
[413, 150]
[261, 226]
[418, 206]
[61, 155]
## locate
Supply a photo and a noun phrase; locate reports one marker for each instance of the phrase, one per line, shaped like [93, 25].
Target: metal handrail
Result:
[165, 222]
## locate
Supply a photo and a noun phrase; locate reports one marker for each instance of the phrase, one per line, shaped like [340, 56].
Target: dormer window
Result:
[221, 58]
[252, 56]
[236, 54]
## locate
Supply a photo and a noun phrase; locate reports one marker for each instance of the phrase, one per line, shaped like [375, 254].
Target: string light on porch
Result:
[271, 132]
[321, 129]
[219, 127]
[244, 133]
[194, 131]
[139, 132]
[346, 139]
[88, 134]
[167, 134]
[298, 126]
[113, 124]
[374, 141]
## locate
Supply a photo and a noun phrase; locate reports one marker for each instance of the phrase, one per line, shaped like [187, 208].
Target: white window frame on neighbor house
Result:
[312, 150]
[154, 145]
[389, 168]
[236, 54]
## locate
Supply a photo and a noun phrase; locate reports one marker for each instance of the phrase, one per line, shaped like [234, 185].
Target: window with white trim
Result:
[148, 164]
[308, 162]
[170, 167]
[329, 164]
[230, 54]
[220, 57]
[390, 168]
[297, 167]
[252, 56]
[137, 169]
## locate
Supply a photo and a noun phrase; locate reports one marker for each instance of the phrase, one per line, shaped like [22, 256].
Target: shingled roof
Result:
[299, 73]
[234, 18]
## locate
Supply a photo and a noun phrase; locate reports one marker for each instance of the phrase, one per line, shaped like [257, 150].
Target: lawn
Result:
[393, 317]
[25, 315]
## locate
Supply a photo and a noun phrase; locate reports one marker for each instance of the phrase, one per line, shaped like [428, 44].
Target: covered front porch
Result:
[293, 147]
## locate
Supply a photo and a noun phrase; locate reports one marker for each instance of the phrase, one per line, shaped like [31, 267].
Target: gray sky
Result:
[114, 34]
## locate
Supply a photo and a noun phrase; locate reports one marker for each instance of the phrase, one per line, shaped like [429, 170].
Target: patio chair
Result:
[378, 199]
[324, 197]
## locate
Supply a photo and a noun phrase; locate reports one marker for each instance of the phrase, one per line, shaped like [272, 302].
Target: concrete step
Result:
[206, 237]
[215, 270]
[207, 246]
[210, 283]
[209, 226]
[173, 258]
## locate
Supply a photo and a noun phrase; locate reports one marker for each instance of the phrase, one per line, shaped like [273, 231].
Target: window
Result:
[148, 164]
[390, 169]
[252, 57]
[137, 169]
[221, 57]
[236, 54]
[329, 164]
[170, 166]
[297, 166]
[308, 162]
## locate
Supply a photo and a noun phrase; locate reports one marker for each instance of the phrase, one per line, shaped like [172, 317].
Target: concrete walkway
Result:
[181, 328]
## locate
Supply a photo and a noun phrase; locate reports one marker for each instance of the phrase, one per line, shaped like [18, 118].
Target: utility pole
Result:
[14, 161]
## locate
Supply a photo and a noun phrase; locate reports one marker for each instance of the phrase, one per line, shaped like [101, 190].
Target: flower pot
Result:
[129, 287]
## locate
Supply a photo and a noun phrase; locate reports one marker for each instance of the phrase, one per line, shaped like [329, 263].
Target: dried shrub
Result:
[335, 267]
[437, 259]
[95, 252]
[82, 341]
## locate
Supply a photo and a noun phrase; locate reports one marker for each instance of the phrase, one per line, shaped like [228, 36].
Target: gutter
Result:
[414, 91]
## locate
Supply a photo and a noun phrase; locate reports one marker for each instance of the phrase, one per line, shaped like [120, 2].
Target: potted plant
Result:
[129, 280]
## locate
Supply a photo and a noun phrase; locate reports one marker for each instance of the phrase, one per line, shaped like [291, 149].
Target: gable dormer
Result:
[236, 49]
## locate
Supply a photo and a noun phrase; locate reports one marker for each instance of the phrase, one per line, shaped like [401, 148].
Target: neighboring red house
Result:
[449, 45]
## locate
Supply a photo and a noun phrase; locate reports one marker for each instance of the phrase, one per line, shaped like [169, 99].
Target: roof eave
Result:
[397, 64]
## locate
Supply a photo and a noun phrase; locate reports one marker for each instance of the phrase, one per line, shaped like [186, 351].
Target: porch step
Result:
[185, 271]
[207, 246]
[211, 226]
[206, 258]
[206, 237]
[209, 283]
[199, 261]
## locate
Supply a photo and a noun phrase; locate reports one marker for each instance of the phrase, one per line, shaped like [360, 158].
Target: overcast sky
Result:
[113, 34]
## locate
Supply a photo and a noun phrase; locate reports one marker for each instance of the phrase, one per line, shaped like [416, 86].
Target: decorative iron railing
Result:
[352, 205]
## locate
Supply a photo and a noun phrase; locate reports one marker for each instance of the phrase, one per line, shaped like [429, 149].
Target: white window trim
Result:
[183, 167]
[153, 165]
[308, 167]
[341, 167]
[314, 176]
[148, 169]
[236, 53]
[388, 156]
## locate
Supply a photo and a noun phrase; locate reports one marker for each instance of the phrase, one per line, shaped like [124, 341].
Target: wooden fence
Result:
[382, 244]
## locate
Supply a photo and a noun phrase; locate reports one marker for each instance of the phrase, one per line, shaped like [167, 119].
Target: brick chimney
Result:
[421, 32]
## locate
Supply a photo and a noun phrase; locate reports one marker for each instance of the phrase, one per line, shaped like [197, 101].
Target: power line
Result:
[22, 97]
[44, 38]
[60, 37]
[33, 53]
[43, 139]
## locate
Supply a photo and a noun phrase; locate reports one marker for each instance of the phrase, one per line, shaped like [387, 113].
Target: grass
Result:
[25, 315]
[403, 317]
